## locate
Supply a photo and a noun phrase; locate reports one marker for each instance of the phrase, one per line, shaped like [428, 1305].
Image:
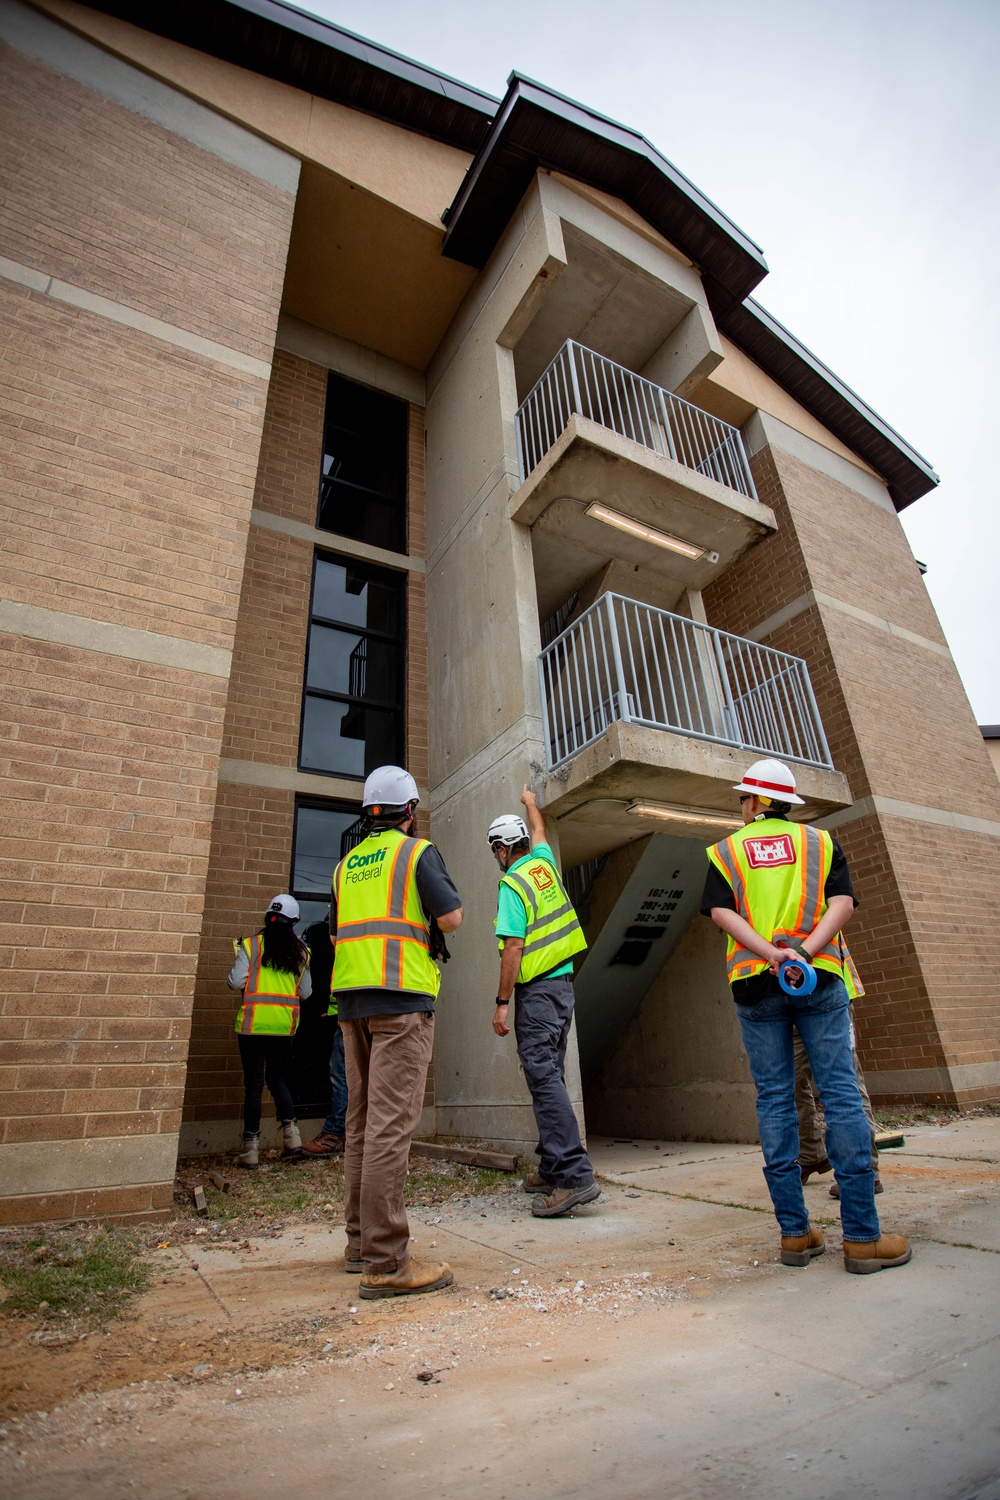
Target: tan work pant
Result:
[812, 1147]
[387, 1058]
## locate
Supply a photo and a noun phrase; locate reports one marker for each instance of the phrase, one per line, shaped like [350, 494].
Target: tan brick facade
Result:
[253, 829]
[900, 727]
[129, 465]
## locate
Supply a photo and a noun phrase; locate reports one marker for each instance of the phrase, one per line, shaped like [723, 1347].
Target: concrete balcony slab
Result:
[590, 794]
[590, 463]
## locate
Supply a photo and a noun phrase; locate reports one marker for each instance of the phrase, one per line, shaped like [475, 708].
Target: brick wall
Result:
[253, 829]
[129, 468]
[900, 727]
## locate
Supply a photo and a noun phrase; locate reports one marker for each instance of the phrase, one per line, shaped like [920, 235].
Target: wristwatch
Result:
[501, 1002]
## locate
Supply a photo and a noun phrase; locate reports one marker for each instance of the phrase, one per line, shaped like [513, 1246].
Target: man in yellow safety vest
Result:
[775, 886]
[389, 895]
[538, 933]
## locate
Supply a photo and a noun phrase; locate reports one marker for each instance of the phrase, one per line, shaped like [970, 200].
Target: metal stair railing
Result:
[578, 380]
[623, 660]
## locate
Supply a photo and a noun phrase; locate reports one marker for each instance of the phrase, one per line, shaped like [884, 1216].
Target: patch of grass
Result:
[279, 1191]
[276, 1190]
[91, 1276]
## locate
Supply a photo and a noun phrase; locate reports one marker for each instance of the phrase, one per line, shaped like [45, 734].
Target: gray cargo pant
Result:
[543, 1011]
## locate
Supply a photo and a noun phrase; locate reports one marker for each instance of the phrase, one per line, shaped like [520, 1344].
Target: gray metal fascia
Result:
[329, 34]
[780, 332]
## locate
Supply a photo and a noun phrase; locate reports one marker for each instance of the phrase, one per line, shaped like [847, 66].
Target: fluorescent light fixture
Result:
[649, 533]
[682, 815]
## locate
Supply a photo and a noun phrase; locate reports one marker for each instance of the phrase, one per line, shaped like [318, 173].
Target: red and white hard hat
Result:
[772, 780]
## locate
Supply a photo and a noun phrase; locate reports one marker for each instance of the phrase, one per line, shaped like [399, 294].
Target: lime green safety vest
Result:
[270, 1000]
[383, 937]
[777, 871]
[553, 933]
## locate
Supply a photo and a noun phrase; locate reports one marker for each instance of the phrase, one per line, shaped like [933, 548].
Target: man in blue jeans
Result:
[774, 886]
[330, 1141]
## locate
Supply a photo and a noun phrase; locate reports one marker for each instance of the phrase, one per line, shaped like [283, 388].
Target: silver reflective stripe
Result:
[727, 858]
[397, 897]
[559, 911]
[383, 927]
[527, 892]
[253, 977]
[814, 860]
[393, 965]
[562, 932]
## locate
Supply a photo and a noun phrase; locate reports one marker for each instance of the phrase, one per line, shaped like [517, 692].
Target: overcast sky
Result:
[857, 142]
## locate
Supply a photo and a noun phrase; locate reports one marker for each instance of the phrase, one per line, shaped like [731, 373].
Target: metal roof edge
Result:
[908, 478]
[525, 94]
[373, 53]
[635, 141]
[278, 40]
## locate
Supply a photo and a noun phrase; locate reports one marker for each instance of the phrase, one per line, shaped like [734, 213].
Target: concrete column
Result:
[485, 733]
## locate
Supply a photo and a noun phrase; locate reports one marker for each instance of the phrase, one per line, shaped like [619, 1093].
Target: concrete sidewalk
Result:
[648, 1346]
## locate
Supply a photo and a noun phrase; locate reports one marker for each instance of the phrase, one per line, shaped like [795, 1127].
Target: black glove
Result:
[438, 946]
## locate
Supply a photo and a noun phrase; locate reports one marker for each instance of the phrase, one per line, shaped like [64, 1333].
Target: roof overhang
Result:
[798, 371]
[536, 127]
[282, 42]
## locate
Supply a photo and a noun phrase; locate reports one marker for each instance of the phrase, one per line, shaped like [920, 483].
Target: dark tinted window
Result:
[363, 485]
[352, 714]
[323, 832]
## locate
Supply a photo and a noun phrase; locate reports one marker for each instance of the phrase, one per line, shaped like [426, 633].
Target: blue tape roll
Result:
[808, 972]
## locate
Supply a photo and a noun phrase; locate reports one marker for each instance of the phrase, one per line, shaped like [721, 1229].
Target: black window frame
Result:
[350, 836]
[309, 1072]
[398, 640]
[382, 403]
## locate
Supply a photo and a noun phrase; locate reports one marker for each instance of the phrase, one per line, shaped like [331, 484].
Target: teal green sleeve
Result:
[512, 919]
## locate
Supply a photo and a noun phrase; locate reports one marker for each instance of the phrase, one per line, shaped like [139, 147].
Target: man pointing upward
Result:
[538, 933]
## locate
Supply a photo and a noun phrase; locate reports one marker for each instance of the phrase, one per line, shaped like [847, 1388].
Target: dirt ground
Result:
[251, 1319]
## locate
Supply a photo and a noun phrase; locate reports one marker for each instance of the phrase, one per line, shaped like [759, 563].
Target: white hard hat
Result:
[389, 786]
[508, 829]
[772, 781]
[285, 906]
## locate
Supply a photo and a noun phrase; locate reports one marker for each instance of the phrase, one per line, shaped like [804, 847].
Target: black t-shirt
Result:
[320, 964]
[718, 892]
[438, 895]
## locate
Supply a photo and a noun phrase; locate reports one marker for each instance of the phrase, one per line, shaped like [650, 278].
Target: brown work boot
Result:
[820, 1168]
[562, 1199]
[799, 1249]
[876, 1255]
[414, 1276]
[324, 1145]
[536, 1183]
[835, 1190]
[353, 1263]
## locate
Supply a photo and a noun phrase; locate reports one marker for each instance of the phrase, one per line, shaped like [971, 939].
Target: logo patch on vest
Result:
[776, 850]
[541, 877]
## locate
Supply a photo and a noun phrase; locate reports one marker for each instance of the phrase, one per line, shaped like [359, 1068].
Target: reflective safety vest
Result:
[777, 871]
[553, 932]
[383, 937]
[270, 1000]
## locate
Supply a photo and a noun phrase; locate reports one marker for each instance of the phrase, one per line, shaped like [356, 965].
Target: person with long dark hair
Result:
[272, 972]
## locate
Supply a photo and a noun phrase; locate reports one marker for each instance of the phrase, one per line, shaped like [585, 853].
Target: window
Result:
[362, 491]
[324, 832]
[352, 715]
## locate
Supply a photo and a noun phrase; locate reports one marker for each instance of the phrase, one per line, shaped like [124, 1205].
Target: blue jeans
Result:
[337, 1118]
[822, 1022]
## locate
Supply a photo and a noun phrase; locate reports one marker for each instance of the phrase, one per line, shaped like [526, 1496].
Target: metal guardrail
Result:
[578, 380]
[626, 660]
